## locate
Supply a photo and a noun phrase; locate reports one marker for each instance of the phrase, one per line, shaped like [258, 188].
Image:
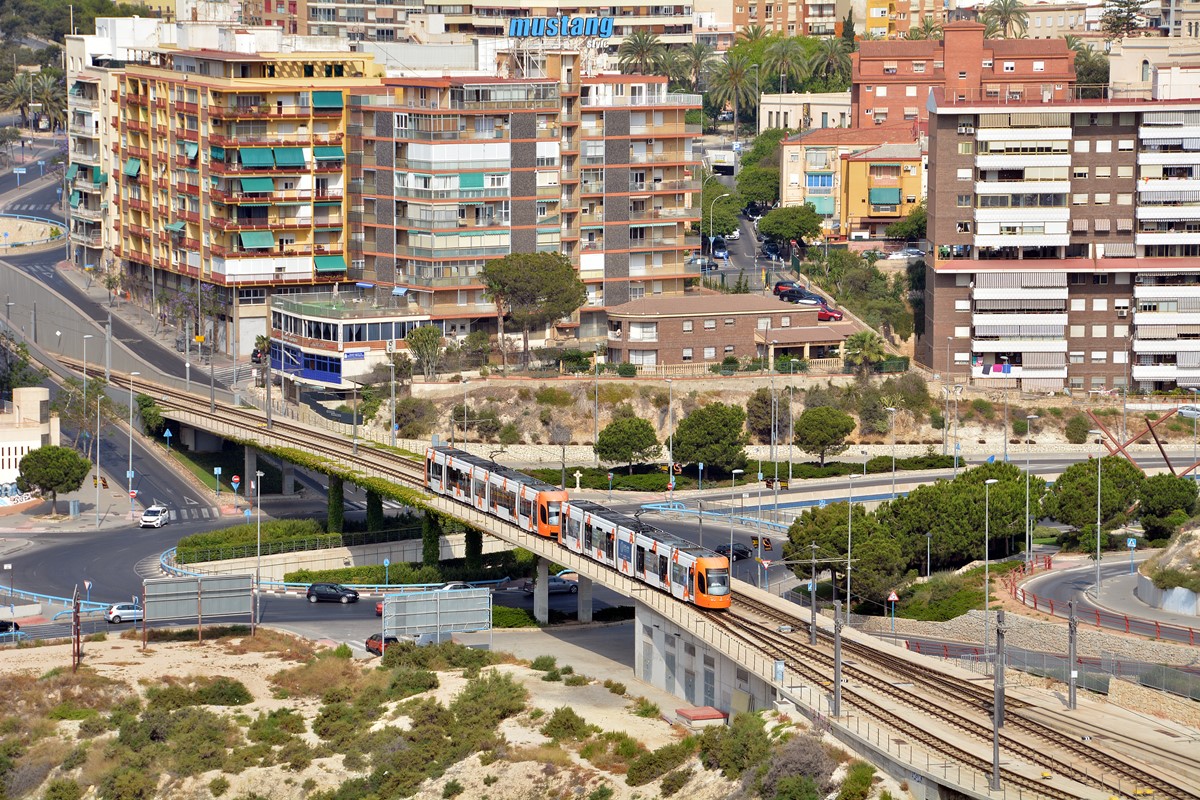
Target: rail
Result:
[56, 224]
[37, 597]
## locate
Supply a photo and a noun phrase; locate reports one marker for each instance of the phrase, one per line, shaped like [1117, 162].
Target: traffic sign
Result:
[236, 481]
[701, 466]
[610, 477]
[247, 513]
[766, 562]
[18, 170]
[87, 585]
[1131, 543]
[133, 492]
[892, 598]
[766, 543]
[387, 562]
[671, 484]
[216, 470]
[754, 541]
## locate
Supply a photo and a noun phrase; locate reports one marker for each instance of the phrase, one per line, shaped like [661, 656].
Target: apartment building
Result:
[1055, 20]
[891, 80]
[230, 171]
[460, 170]
[26, 424]
[1065, 244]
[810, 167]
[886, 19]
[879, 186]
[804, 110]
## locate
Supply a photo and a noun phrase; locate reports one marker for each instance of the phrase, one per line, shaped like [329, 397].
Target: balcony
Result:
[257, 224]
[226, 168]
[85, 157]
[87, 129]
[138, 204]
[189, 216]
[1164, 212]
[454, 223]
[451, 252]
[188, 188]
[136, 126]
[549, 191]
[665, 186]
[678, 213]
[269, 111]
[1166, 237]
[132, 99]
[277, 252]
[271, 138]
[87, 239]
[92, 214]
[661, 158]
[655, 99]
[1169, 185]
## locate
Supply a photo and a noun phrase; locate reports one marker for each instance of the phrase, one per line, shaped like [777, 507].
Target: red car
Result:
[377, 643]
[827, 314]
[379, 609]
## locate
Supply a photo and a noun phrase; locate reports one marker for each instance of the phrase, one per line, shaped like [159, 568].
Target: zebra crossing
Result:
[31, 209]
[193, 513]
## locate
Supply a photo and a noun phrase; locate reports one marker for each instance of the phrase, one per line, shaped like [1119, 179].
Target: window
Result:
[1124, 145]
[1038, 66]
[1010, 66]
[1120, 357]
[918, 67]
[1103, 198]
[962, 76]
[1103, 145]
[1100, 279]
[1124, 170]
[962, 306]
[966, 148]
[1099, 356]
[687, 354]
[710, 324]
[687, 326]
[962, 226]
[1076, 383]
[728, 348]
[1076, 331]
[1099, 331]
[1103, 172]
[710, 353]
[910, 91]
[1120, 331]
[785, 322]
[964, 174]
[1100, 303]
[962, 332]
[881, 91]
[987, 63]
[764, 323]
[1083, 146]
[1078, 304]
[730, 322]
[1124, 199]
[964, 201]
[1079, 199]
[1080, 173]
[1075, 358]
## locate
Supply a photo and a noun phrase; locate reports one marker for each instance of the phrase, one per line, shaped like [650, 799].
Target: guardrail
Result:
[37, 597]
[42, 220]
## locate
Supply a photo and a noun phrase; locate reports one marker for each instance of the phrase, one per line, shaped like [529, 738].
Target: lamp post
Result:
[1029, 418]
[670, 439]
[1099, 440]
[987, 585]
[928, 563]
[711, 206]
[892, 411]
[865, 459]
[957, 391]
[732, 488]
[392, 381]
[258, 476]
[1005, 360]
[86, 336]
[129, 472]
[1193, 390]
[596, 409]
[774, 424]
[849, 537]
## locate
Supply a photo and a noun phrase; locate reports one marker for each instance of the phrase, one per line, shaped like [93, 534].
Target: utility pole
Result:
[836, 711]
[812, 597]
[1072, 632]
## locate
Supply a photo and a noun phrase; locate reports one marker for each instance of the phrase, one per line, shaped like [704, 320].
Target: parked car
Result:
[797, 287]
[734, 235]
[154, 516]
[705, 263]
[800, 298]
[556, 585]
[124, 612]
[827, 314]
[8, 626]
[377, 643]
[770, 248]
[899, 255]
[719, 248]
[725, 116]
[1190, 412]
[257, 356]
[331, 592]
[740, 551]
[752, 212]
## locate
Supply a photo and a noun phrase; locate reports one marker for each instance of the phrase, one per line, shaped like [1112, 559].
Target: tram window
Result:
[641, 559]
[701, 587]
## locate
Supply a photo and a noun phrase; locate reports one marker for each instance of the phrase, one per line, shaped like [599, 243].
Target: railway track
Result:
[1113, 773]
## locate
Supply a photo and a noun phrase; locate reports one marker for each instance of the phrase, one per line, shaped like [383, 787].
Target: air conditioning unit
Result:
[1122, 312]
[966, 129]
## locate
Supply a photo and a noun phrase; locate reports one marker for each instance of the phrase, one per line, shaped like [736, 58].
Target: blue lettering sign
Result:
[544, 27]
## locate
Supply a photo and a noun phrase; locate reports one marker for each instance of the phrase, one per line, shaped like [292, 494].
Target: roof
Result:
[1029, 47]
[906, 151]
[903, 131]
[808, 334]
[704, 305]
[900, 48]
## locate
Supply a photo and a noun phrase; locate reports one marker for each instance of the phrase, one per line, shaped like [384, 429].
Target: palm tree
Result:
[638, 52]
[991, 28]
[697, 59]
[14, 95]
[831, 60]
[669, 64]
[752, 33]
[926, 29]
[733, 83]
[1075, 44]
[1010, 15]
[50, 91]
[787, 59]
[863, 350]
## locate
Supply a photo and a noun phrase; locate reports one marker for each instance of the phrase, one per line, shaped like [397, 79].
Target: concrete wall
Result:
[1177, 600]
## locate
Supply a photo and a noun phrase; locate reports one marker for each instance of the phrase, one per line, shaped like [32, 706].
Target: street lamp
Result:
[258, 476]
[958, 389]
[849, 537]
[596, 409]
[129, 472]
[1193, 390]
[670, 439]
[1005, 360]
[1029, 418]
[865, 459]
[86, 336]
[892, 411]
[774, 423]
[392, 382]
[732, 487]
[1099, 440]
[987, 584]
[711, 206]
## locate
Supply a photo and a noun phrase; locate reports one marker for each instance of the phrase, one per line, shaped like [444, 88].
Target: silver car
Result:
[124, 612]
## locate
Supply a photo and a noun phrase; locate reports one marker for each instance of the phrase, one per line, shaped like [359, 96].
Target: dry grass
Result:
[284, 646]
[35, 765]
[543, 754]
[318, 675]
[96, 765]
[29, 698]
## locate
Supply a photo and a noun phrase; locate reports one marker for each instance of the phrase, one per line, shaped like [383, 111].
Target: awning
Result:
[329, 263]
[884, 197]
[72, 171]
[75, 198]
[76, 89]
[885, 163]
[192, 149]
[132, 167]
[821, 205]
[399, 291]
[99, 176]
[217, 153]
[257, 239]
[329, 203]
[289, 157]
[256, 157]
[175, 227]
[257, 184]
[327, 99]
[328, 153]
[364, 285]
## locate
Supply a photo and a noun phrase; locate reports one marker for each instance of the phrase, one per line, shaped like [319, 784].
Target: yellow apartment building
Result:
[879, 186]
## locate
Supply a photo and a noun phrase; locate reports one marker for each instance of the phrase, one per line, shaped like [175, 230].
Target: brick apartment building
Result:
[890, 80]
[1065, 244]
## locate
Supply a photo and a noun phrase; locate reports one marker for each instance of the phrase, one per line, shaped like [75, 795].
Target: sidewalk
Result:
[35, 517]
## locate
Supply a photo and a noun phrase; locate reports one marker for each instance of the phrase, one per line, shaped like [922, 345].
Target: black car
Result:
[331, 593]
[257, 356]
[801, 297]
[377, 643]
[8, 626]
[794, 286]
[770, 248]
[740, 551]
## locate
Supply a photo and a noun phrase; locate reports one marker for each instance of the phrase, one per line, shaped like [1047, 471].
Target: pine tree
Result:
[1122, 18]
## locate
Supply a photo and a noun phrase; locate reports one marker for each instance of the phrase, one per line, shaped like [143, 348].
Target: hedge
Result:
[284, 535]
[495, 566]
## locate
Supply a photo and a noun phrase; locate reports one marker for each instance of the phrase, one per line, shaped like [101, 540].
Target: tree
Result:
[863, 350]
[822, 431]
[759, 185]
[696, 59]
[712, 434]
[752, 33]
[927, 28]
[733, 83]
[1165, 503]
[910, 228]
[627, 441]
[533, 289]
[8, 137]
[425, 343]
[52, 469]
[431, 539]
[758, 416]
[791, 224]
[765, 150]
[788, 59]
[1010, 16]
[1122, 18]
[1077, 429]
[1072, 501]
[16, 368]
[831, 61]
[848, 32]
[1091, 73]
[638, 51]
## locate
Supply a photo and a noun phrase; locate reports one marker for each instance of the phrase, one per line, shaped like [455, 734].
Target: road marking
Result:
[204, 513]
[189, 501]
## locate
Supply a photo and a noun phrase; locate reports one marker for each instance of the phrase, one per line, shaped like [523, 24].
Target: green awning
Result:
[327, 99]
[328, 152]
[257, 239]
[254, 205]
[257, 184]
[329, 203]
[885, 163]
[821, 205]
[289, 157]
[72, 171]
[217, 153]
[132, 167]
[884, 197]
[175, 227]
[98, 175]
[470, 180]
[329, 263]
[324, 230]
[76, 89]
[192, 149]
[75, 198]
[256, 157]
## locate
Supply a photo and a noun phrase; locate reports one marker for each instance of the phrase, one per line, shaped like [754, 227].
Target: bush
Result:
[653, 765]
[240, 540]
[128, 783]
[736, 748]
[1077, 429]
[505, 617]
[601, 793]
[544, 663]
[452, 789]
[857, 785]
[674, 781]
[614, 687]
[218, 785]
[552, 396]
[63, 789]
[407, 681]
[797, 787]
[1020, 427]
[510, 433]
[644, 708]
[416, 417]
[983, 408]
[802, 757]
[565, 725]
[577, 680]
[627, 371]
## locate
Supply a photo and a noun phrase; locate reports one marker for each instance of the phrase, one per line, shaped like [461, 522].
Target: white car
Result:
[1190, 412]
[155, 516]
[733, 235]
[124, 612]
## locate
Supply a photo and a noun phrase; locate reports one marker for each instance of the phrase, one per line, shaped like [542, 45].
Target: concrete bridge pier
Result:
[541, 592]
[289, 476]
[583, 608]
[249, 478]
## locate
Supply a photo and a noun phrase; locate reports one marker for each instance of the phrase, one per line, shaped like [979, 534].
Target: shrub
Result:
[1020, 427]
[544, 663]
[63, 789]
[276, 727]
[653, 765]
[614, 686]
[797, 787]
[644, 708]
[627, 371]
[510, 433]
[93, 726]
[128, 783]
[802, 757]
[601, 793]
[218, 785]
[577, 680]
[1077, 429]
[983, 408]
[674, 781]
[407, 681]
[857, 785]
[739, 747]
[227, 692]
[565, 725]
[75, 758]
[552, 676]
[452, 789]
[416, 417]
[553, 396]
